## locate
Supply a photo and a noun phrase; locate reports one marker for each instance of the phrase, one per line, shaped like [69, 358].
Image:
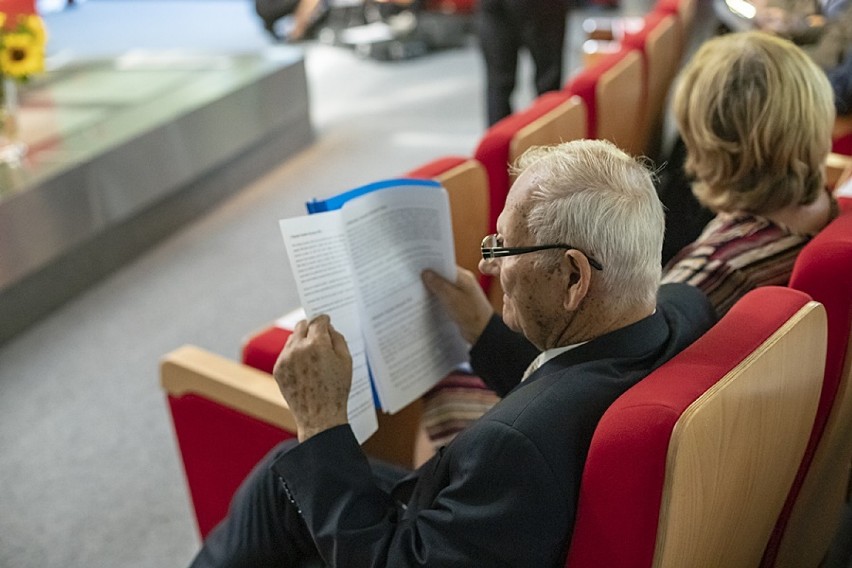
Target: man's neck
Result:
[593, 323]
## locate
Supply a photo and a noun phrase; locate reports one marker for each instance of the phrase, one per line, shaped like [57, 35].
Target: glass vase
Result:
[12, 148]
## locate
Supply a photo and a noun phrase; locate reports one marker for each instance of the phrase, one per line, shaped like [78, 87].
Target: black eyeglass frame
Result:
[489, 252]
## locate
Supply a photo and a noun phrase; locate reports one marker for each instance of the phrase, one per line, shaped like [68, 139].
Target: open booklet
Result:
[361, 265]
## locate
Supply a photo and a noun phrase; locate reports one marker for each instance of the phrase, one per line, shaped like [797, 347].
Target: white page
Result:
[394, 234]
[320, 261]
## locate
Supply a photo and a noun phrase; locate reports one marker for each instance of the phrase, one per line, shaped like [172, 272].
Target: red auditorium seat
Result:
[814, 506]
[659, 44]
[691, 466]
[613, 90]
[226, 417]
[557, 113]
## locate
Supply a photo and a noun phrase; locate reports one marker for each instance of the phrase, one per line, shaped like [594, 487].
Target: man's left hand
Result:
[314, 374]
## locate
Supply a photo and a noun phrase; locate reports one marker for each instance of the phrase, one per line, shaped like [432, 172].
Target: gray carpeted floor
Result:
[89, 468]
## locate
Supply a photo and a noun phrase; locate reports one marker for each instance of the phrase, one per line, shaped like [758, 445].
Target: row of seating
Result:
[228, 415]
[223, 408]
[752, 418]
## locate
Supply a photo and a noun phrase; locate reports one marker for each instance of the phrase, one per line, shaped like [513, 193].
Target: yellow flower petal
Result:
[22, 45]
[20, 56]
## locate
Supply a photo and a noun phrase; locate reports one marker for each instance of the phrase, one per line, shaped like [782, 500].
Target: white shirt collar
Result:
[546, 356]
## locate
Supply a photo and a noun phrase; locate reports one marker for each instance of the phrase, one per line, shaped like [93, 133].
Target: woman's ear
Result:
[579, 275]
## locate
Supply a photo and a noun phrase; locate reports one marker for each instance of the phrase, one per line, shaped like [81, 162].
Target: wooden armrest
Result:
[192, 370]
[838, 169]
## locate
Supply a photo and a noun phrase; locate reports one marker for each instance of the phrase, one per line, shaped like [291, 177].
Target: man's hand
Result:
[314, 373]
[463, 299]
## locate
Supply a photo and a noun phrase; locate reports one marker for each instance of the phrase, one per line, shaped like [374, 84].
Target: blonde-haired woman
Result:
[755, 114]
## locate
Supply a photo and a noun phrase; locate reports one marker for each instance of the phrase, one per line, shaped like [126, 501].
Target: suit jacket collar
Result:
[635, 340]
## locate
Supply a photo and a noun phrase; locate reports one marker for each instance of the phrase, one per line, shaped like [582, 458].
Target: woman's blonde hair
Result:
[756, 116]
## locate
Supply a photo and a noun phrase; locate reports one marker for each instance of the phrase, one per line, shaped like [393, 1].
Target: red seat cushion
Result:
[842, 145]
[261, 349]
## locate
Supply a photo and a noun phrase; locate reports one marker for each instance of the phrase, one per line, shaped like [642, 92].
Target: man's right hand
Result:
[463, 299]
[314, 374]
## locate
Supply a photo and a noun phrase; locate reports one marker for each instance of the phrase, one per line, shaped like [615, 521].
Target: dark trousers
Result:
[507, 26]
[263, 528]
[273, 10]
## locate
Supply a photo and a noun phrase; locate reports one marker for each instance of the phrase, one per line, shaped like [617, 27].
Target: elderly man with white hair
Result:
[578, 257]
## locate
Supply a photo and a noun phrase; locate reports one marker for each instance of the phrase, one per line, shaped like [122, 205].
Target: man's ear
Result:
[578, 277]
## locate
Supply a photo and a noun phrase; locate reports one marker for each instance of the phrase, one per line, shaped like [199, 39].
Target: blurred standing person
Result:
[306, 15]
[507, 26]
[822, 28]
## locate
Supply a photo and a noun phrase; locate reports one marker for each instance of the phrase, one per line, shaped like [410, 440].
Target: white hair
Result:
[595, 197]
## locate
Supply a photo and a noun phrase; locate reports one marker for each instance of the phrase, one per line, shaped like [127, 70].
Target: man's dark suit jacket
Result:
[504, 492]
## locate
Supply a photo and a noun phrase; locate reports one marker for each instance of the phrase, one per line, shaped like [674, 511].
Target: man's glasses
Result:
[492, 247]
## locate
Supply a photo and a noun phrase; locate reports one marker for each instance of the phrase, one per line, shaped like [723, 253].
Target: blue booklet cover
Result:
[337, 201]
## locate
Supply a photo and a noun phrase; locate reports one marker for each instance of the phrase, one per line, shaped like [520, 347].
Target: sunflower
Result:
[20, 55]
